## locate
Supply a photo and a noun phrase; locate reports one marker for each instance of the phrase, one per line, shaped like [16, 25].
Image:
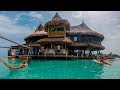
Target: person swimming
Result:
[103, 60]
[24, 64]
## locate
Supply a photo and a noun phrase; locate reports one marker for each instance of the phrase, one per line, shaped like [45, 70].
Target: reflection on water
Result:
[60, 69]
[4, 71]
[11, 59]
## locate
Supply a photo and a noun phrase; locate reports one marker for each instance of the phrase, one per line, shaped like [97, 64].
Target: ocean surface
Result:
[61, 69]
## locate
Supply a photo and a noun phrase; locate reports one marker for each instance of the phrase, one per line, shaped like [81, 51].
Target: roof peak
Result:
[82, 21]
[81, 27]
[39, 28]
[83, 24]
[57, 16]
[40, 25]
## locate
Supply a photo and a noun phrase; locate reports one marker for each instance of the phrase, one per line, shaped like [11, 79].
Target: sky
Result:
[16, 25]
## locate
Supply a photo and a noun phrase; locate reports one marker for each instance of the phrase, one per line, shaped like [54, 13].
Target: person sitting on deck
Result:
[24, 64]
[42, 49]
[55, 49]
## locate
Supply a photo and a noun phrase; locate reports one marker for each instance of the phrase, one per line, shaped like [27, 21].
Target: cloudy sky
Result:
[18, 24]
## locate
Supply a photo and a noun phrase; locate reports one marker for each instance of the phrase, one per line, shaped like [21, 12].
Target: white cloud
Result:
[9, 26]
[118, 26]
[16, 30]
[9, 29]
[35, 15]
[19, 15]
[77, 14]
[115, 36]
[104, 22]
[96, 13]
[4, 20]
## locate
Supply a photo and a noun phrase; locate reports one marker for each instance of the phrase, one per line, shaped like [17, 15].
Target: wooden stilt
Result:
[84, 52]
[51, 45]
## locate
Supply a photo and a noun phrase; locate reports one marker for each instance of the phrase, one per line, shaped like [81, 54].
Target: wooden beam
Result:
[84, 52]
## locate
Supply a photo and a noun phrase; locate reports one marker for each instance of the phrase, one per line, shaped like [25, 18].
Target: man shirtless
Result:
[104, 60]
[24, 64]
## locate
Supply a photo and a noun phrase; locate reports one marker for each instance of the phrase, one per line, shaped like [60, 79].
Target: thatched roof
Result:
[57, 21]
[38, 32]
[33, 45]
[83, 29]
[57, 16]
[55, 40]
[77, 44]
[39, 28]
[96, 46]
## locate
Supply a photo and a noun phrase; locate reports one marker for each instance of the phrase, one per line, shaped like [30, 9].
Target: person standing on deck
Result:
[58, 48]
[40, 51]
[42, 48]
[12, 52]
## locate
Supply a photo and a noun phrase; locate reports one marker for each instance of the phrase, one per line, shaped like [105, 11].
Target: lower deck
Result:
[51, 57]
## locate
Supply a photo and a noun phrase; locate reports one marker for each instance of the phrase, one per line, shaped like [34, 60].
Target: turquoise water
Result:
[61, 69]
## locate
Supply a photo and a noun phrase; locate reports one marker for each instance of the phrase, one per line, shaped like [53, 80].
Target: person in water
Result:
[24, 64]
[103, 60]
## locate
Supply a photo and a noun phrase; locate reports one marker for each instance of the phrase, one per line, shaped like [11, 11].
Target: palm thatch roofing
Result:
[83, 29]
[33, 45]
[77, 44]
[57, 21]
[38, 32]
[39, 28]
[55, 40]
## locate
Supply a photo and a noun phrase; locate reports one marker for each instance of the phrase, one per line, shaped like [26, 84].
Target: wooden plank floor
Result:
[56, 56]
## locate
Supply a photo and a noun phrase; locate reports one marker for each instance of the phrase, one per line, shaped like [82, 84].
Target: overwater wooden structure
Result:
[57, 38]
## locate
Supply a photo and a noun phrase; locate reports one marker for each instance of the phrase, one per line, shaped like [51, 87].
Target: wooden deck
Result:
[54, 57]
[13, 56]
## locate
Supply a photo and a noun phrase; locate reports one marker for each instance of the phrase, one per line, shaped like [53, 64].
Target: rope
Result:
[18, 45]
[13, 41]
